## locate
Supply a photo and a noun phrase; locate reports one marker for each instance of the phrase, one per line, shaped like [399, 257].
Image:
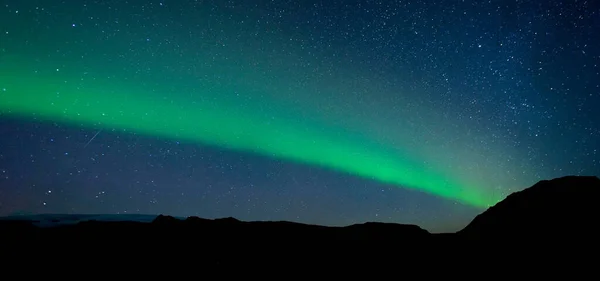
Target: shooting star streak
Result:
[92, 138]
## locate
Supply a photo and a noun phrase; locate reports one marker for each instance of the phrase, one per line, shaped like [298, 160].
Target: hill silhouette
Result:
[561, 210]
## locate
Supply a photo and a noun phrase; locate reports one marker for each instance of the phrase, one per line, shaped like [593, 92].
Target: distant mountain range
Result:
[52, 220]
[559, 212]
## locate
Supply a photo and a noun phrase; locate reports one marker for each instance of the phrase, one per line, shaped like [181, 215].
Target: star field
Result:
[294, 110]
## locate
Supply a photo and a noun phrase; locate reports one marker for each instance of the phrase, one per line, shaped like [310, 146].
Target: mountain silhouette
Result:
[559, 208]
[559, 211]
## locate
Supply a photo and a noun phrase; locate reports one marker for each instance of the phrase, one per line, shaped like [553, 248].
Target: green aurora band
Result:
[227, 124]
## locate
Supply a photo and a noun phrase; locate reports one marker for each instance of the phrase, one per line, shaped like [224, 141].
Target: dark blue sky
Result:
[497, 93]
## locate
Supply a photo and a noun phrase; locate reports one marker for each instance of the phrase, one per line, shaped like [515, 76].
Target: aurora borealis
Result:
[329, 113]
[228, 126]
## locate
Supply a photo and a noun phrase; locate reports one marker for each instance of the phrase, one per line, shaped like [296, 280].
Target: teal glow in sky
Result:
[229, 125]
[323, 112]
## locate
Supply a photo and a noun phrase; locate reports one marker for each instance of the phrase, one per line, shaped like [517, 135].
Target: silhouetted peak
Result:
[162, 219]
[550, 207]
[195, 219]
[381, 226]
[229, 220]
[572, 183]
[553, 191]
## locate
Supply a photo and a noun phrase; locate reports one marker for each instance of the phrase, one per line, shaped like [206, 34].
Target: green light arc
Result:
[223, 124]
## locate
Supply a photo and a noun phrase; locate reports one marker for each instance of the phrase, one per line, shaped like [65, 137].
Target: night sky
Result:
[324, 112]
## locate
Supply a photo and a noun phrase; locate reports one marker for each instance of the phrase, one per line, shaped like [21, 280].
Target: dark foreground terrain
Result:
[560, 214]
